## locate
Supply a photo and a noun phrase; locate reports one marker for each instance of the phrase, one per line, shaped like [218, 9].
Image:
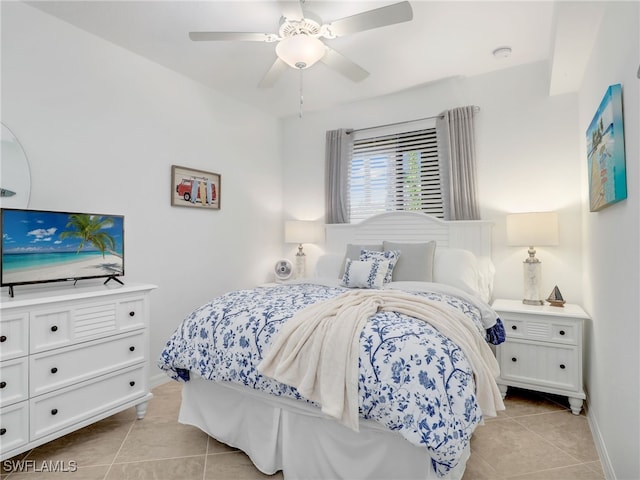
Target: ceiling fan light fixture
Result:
[300, 51]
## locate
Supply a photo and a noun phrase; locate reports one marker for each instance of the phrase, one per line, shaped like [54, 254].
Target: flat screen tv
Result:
[44, 246]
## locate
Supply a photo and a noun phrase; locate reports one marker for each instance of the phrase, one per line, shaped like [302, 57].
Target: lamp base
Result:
[301, 260]
[531, 274]
[532, 302]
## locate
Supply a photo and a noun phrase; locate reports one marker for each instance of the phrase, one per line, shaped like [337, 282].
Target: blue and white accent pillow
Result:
[364, 274]
[388, 255]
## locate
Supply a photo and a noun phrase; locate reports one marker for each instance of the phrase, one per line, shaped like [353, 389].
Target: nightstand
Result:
[543, 349]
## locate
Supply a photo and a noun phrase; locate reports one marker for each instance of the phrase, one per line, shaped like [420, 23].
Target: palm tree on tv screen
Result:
[89, 229]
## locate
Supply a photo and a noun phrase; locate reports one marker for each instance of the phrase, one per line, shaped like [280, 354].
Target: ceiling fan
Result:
[298, 38]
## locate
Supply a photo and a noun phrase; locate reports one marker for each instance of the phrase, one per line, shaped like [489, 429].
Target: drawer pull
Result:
[132, 313]
[54, 411]
[3, 431]
[514, 327]
[3, 384]
[132, 383]
[514, 359]
[562, 366]
[132, 348]
[561, 332]
[3, 338]
[54, 370]
[54, 328]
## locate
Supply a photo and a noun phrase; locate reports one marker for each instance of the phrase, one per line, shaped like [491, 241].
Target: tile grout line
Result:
[515, 419]
[206, 455]
[554, 445]
[119, 449]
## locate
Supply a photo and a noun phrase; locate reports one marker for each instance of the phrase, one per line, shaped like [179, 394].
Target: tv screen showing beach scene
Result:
[44, 246]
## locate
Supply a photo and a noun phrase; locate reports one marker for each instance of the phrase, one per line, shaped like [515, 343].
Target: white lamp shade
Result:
[532, 229]
[300, 51]
[301, 231]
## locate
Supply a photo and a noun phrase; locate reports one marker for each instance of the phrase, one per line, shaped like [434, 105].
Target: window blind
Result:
[395, 171]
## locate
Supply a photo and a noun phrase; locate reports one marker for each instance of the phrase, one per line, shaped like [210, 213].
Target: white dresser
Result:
[70, 356]
[543, 349]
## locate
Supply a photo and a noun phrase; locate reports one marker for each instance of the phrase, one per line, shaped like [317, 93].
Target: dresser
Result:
[70, 356]
[543, 349]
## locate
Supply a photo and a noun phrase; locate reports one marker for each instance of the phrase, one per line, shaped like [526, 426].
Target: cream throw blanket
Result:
[317, 350]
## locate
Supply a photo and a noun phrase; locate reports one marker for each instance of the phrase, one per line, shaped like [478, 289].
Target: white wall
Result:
[612, 254]
[101, 128]
[527, 155]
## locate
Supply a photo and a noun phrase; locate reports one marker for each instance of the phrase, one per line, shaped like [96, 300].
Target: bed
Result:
[384, 396]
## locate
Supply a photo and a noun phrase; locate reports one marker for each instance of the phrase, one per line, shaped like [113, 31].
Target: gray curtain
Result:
[337, 148]
[457, 159]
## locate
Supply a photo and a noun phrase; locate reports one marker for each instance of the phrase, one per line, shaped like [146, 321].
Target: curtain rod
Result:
[476, 109]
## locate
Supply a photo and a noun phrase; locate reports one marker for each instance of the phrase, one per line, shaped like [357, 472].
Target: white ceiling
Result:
[444, 39]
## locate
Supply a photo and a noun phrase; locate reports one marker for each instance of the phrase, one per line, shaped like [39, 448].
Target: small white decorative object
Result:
[283, 270]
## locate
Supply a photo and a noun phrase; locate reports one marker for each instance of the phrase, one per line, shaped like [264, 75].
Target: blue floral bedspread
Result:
[412, 379]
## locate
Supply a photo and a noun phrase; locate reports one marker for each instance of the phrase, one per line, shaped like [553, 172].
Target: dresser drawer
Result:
[50, 329]
[63, 367]
[14, 426]
[131, 313]
[62, 408]
[14, 335]
[553, 366]
[14, 381]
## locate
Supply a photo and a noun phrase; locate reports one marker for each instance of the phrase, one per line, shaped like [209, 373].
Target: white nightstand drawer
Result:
[540, 365]
[14, 426]
[49, 413]
[62, 367]
[14, 381]
[539, 328]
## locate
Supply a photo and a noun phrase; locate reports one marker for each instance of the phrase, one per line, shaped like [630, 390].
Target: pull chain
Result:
[301, 94]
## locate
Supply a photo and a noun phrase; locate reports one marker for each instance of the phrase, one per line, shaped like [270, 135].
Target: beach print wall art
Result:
[605, 152]
[194, 188]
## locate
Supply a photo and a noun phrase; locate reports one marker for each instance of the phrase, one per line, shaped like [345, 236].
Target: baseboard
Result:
[601, 448]
[159, 379]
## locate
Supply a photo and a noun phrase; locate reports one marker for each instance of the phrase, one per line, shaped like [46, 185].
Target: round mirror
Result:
[15, 176]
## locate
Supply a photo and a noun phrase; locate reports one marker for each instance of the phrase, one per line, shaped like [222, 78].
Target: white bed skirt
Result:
[282, 434]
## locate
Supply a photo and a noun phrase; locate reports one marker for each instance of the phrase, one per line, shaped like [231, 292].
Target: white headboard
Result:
[472, 235]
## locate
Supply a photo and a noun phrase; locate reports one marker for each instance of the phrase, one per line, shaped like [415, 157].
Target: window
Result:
[394, 171]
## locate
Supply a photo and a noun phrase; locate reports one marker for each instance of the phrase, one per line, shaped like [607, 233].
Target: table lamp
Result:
[529, 229]
[301, 231]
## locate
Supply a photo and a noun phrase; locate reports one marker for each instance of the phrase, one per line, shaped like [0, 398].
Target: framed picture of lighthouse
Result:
[195, 188]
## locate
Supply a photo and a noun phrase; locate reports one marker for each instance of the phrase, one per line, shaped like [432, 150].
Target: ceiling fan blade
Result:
[232, 36]
[272, 75]
[379, 17]
[344, 66]
[291, 9]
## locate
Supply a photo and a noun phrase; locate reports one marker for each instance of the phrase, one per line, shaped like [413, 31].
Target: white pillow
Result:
[364, 274]
[388, 255]
[329, 266]
[353, 252]
[486, 272]
[458, 268]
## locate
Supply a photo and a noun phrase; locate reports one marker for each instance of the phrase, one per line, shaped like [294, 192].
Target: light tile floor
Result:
[537, 437]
